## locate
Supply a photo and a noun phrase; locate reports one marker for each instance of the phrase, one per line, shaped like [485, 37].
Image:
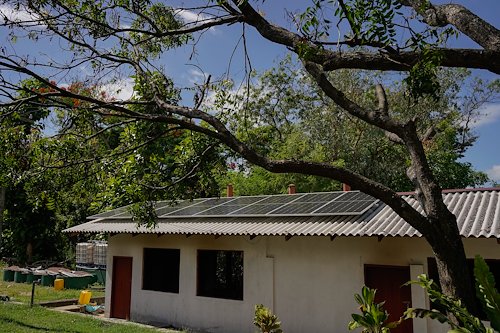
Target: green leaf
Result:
[486, 292]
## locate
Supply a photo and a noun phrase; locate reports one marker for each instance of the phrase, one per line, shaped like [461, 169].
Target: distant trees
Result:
[296, 119]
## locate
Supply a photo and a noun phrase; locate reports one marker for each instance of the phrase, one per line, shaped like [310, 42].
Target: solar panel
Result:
[345, 207]
[166, 207]
[298, 208]
[199, 207]
[221, 210]
[109, 213]
[319, 197]
[355, 195]
[232, 206]
[352, 203]
[246, 200]
[282, 199]
[257, 209]
[125, 214]
[302, 204]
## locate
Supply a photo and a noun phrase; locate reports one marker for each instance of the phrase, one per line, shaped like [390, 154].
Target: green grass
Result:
[21, 292]
[16, 318]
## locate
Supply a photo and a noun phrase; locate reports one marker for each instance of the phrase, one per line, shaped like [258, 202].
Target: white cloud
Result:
[494, 173]
[195, 76]
[488, 114]
[9, 13]
[121, 90]
[191, 17]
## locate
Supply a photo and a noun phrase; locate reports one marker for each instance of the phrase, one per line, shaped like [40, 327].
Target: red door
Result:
[121, 287]
[389, 280]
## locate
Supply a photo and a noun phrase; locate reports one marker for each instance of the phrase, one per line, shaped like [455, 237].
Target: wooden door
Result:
[121, 287]
[389, 280]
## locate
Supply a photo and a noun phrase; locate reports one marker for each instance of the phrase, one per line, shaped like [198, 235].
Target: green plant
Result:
[465, 321]
[265, 321]
[486, 292]
[373, 316]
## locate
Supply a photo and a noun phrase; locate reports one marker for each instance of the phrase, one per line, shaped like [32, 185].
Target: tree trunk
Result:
[29, 252]
[454, 275]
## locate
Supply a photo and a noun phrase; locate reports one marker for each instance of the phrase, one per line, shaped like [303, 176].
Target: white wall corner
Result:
[418, 298]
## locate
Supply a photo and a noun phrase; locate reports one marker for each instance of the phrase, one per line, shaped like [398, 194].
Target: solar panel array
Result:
[302, 204]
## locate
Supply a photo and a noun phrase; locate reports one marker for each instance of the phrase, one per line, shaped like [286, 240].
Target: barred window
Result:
[161, 270]
[220, 274]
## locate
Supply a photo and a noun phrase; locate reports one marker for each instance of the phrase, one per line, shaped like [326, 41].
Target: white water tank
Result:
[84, 253]
[100, 253]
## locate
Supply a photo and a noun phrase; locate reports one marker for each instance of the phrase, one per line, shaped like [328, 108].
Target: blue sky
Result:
[216, 46]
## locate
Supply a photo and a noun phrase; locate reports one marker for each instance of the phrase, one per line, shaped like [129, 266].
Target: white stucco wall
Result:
[309, 282]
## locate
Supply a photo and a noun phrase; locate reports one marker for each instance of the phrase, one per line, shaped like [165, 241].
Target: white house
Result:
[209, 261]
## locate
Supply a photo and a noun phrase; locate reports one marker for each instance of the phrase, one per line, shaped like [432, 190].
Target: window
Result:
[220, 274]
[161, 270]
[494, 266]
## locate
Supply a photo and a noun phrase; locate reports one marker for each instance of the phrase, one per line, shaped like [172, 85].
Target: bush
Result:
[265, 321]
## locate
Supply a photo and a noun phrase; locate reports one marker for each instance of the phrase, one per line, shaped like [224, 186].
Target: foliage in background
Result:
[265, 320]
[373, 317]
[91, 164]
[30, 230]
[287, 116]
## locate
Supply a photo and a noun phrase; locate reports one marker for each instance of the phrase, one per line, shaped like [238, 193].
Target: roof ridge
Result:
[459, 190]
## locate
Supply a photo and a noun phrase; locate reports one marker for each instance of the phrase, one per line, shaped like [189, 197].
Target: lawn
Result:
[21, 292]
[18, 318]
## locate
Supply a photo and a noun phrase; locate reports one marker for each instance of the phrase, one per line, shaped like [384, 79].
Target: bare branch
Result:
[429, 134]
[393, 138]
[383, 106]
[375, 118]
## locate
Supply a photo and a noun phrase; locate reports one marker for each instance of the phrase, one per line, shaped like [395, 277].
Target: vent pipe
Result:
[291, 189]
[229, 190]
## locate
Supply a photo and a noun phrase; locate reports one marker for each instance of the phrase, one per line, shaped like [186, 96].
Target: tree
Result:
[54, 182]
[26, 226]
[295, 119]
[118, 34]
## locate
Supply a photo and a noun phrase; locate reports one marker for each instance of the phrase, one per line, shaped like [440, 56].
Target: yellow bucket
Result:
[84, 297]
[58, 284]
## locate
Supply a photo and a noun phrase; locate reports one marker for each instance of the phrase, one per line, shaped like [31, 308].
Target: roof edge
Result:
[459, 190]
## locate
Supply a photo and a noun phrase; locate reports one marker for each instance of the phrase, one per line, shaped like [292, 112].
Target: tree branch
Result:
[462, 18]
[398, 61]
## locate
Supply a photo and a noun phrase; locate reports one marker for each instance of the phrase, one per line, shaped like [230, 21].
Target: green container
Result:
[19, 277]
[8, 275]
[48, 280]
[99, 273]
[29, 278]
[37, 277]
[92, 279]
[76, 282]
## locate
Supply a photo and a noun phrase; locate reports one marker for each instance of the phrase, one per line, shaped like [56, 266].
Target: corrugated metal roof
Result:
[478, 215]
